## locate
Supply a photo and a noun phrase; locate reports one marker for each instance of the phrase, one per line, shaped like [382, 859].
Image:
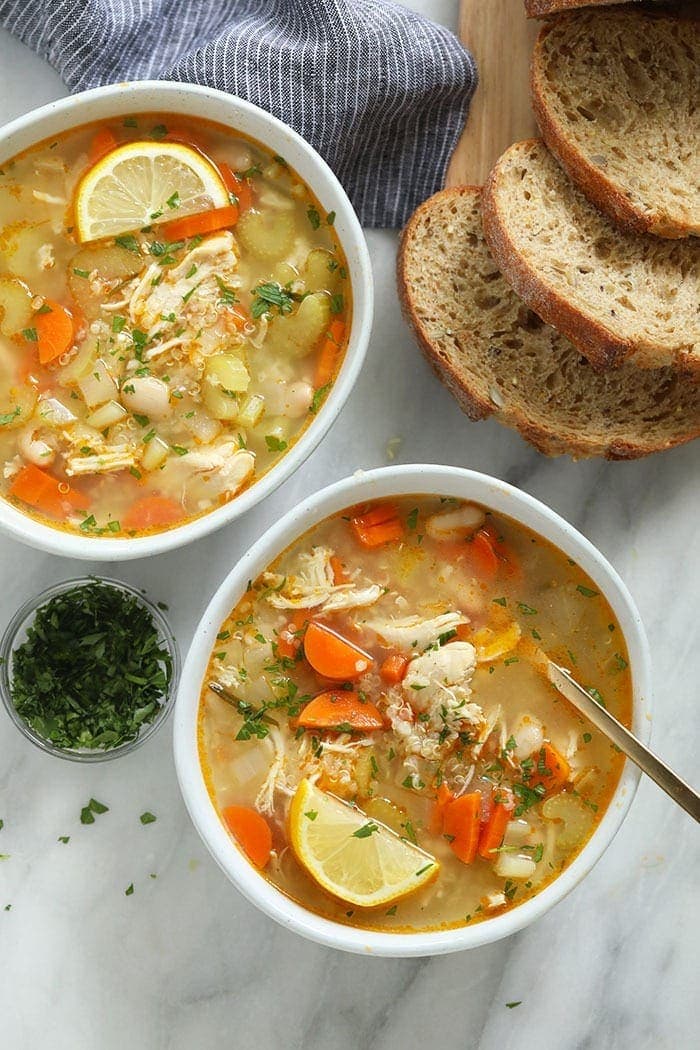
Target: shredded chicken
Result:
[437, 685]
[413, 632]
[313, 586]
[113, 458]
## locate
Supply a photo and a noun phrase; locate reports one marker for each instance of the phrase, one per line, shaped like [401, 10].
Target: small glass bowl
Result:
[16, 633]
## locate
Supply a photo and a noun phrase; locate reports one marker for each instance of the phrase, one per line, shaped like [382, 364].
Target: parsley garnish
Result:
[129, 242]
[270, 294]
[275, 444]
[147, 818]
[318, 398]
[586, 591]
[313, 216]
[366, 830]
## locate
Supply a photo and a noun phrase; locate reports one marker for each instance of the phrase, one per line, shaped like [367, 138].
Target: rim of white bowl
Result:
[412, 479]
[193, 100]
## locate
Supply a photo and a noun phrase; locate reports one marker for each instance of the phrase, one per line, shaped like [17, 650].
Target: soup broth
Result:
[148, 375]
[446, 731]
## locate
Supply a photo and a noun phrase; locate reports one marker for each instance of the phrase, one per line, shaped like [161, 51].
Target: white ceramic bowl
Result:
[396, 481]
[193, 101]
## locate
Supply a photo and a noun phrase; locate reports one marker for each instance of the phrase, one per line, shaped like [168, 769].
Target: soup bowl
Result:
[362, 487]
[190, 101]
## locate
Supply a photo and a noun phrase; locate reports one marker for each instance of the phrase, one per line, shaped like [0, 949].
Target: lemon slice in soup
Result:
[358, 859]
[142, 183]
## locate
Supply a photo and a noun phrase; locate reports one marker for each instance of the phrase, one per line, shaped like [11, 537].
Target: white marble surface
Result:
[186, 962]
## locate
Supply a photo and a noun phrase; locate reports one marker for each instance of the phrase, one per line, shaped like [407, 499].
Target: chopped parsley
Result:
[366, 830]
[92, 670]
[586, 591]
[270, 295]
[313, 216]
[318, 398]
[128, 241]
[147, 818]
[275, 444]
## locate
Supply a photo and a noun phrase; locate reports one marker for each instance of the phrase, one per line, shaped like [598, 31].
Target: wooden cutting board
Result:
[500, 38]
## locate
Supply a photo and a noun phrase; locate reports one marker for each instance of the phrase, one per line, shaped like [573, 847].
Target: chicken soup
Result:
[174, 308]
[376, 729]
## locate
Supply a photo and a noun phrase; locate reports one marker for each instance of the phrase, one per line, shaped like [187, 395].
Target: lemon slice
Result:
[358, 859]
[142, 183]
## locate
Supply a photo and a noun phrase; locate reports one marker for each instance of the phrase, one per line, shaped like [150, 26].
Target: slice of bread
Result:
[498, 358]
[540, 8]
[616, 295]
[616, 94]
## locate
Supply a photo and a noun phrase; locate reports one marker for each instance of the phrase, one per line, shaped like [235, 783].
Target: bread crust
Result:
[542, 8]
[544, 438]
[590, 179]
[603, 348]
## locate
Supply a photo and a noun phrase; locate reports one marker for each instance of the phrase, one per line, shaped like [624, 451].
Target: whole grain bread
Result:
[616, 95]
[498, 358]
[616, 295]
[540, 8]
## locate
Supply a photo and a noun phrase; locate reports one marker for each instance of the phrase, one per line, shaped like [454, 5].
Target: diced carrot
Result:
[46, 493]
[493, 831]
[482, 555]
[202, 222]
[339, 573]
[240, 317]
[104, 141]
[464, 632]
[54, 331]
[503, 551]
[333, 656]
[328, 353]
[287, 645]
[461, 825]
[437, 817]
[550, 768]
[251, 831]
[149, 512]
[394, 668]
[378, 526]
[239, 187]
[339, 708]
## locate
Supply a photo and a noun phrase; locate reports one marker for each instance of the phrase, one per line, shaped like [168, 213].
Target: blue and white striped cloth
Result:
[379, 91]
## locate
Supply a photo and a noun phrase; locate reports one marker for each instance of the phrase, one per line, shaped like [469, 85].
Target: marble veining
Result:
[185, 962]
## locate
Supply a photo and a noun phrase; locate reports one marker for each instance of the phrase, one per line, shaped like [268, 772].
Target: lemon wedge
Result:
[358, 859]
[142, 183]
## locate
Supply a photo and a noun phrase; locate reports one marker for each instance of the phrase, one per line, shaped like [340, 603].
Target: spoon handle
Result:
[647, 761]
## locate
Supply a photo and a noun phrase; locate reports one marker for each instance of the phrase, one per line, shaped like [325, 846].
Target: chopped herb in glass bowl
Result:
[88, 669]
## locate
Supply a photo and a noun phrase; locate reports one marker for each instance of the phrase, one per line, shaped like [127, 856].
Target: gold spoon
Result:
[647, 761]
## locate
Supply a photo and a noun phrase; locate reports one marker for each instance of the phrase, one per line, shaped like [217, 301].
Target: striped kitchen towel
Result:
[381, 92]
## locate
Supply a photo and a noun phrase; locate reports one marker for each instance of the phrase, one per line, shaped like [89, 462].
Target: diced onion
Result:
[514, 866]
[106, 415]
[251, 410]
[54, 413]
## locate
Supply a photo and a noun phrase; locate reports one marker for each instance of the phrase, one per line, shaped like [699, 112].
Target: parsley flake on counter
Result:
[92, 670]
[129, 890]
[147, 818]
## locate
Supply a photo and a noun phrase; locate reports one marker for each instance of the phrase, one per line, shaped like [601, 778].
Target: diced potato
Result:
[16, 311]
[514, 866]
[227, 372]
[107, 415]
[218, 402]
[251, 410]
[111, 263]
[54, 413]
[98, 386]
[318, 275]
[267, 235]
[298, 334]
[16, 407]
[155, 454]
[201, 425]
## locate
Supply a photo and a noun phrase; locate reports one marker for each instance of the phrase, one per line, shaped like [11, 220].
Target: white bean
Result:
[34, 449]
[146, 395]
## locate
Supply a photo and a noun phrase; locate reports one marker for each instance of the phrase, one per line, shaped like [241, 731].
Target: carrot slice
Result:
[339, 573]
[54, 331]
[338, 709]
[44, 492]
[333, 656]
[251, 831]
[103, 142]
[550, 769]
[241, 188]
[492, 833]
[394, 668]
[461, 825]
[503, 551]
[328, 354]
[437, 818]
[378, 526]
[149, 512]
[482, 555]
[202, 222]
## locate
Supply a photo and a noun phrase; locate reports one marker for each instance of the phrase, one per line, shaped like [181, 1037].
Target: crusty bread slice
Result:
[616, 94]
[498, 358]
[540, 8]
[616, 295]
